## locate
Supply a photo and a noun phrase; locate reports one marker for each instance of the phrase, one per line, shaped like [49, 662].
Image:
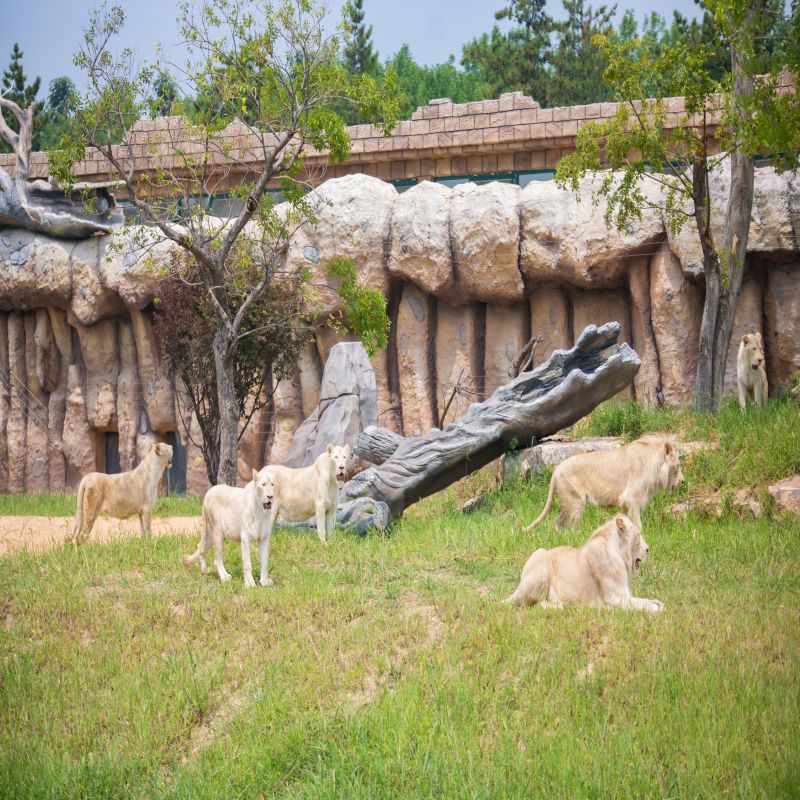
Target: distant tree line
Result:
[554, 61]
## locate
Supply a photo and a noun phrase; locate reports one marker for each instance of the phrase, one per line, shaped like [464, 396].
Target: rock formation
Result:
[470, 274]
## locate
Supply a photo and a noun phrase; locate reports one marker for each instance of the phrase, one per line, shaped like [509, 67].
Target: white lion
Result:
[751, 377]
[121, 495]
[311, 491]
[243, 515]
[596, 574]
[626, 478]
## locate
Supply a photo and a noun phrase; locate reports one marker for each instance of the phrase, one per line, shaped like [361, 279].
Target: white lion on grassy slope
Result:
[596, 574]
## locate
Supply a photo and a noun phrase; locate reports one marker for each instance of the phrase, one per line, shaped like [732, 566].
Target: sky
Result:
[49, 31]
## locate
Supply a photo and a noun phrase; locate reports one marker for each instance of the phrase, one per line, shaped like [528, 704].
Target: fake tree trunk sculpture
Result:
[40, 206]
[535, 404]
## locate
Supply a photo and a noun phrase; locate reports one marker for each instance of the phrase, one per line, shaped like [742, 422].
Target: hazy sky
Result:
[49, 31]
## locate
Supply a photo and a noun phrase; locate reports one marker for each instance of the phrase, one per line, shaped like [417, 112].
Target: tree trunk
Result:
[724, 267]
[704, 377]
[228, 409]
[538, 403]
[737, 222]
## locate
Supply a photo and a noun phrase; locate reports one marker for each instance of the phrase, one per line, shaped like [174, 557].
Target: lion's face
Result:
[164, 453]
[264, 482]
[339, 456]
[634, 541]
[753, 348]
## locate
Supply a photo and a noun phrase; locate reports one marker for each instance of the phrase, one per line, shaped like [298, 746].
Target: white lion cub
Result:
[311, 491]
[751, 377]
[243, 515]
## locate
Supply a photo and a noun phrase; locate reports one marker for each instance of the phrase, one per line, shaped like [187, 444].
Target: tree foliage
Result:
[747, 112]
[15, 87]
[277, 69]
[359, 56]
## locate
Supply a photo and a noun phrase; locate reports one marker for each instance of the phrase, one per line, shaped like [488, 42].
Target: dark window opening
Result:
[111, 452]
[176, 474]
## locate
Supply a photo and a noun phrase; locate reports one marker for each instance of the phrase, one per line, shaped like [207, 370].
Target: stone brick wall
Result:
[442, 139]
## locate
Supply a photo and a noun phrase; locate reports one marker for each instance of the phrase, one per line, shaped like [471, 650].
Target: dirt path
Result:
[36, 534]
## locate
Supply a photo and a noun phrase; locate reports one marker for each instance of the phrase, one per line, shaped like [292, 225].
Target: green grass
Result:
[386, 667]
[755, 448]
[63, 505]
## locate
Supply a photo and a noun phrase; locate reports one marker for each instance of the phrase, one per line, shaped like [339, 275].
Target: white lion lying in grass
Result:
[121, 495]
[596, 574]
[243, 515]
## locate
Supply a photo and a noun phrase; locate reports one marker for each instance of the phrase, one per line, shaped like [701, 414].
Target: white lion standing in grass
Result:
[243, 515]
[121, 495]
[311, 491]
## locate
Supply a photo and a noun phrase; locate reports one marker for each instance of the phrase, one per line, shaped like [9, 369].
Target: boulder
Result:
[56, 412]
[37, 471]
[771, 226]
[78, 443]
[420, 238]
[327, 338]
[484, 231]
[564, 238]
[598, 307]
[309, 368]
[416, 382]
[647, 383]
[352, 221]
[34, 270]
[348, 403]
[782, 324]
[91, 299]
[747, 320]
[48, 362]
[459, 363]
[129, 398]
[507, 331]
[133, 267]
[5, 399]
[16, 425]
[156, 383]
[550, 320]
[99, 352]
[742, 501]
[285, 419]
[551, 452]
[786, 495]
[676, 307]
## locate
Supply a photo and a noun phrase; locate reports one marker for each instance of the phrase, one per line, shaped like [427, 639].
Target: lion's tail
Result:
[550, 493]
[76, 533]
[205, 536]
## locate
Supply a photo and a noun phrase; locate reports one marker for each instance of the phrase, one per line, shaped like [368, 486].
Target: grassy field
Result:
[63, 505]
[386, 667]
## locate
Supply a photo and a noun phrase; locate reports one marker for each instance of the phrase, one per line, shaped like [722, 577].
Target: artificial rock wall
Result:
[470, 274]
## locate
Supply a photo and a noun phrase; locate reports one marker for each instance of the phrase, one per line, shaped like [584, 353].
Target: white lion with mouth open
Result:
[596, 574]
[243, 515]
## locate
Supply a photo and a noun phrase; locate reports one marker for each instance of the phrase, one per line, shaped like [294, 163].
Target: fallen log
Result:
[535, 404]
[376, 445]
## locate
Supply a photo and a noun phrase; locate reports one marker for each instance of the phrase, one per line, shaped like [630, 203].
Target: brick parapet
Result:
[509, 133]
